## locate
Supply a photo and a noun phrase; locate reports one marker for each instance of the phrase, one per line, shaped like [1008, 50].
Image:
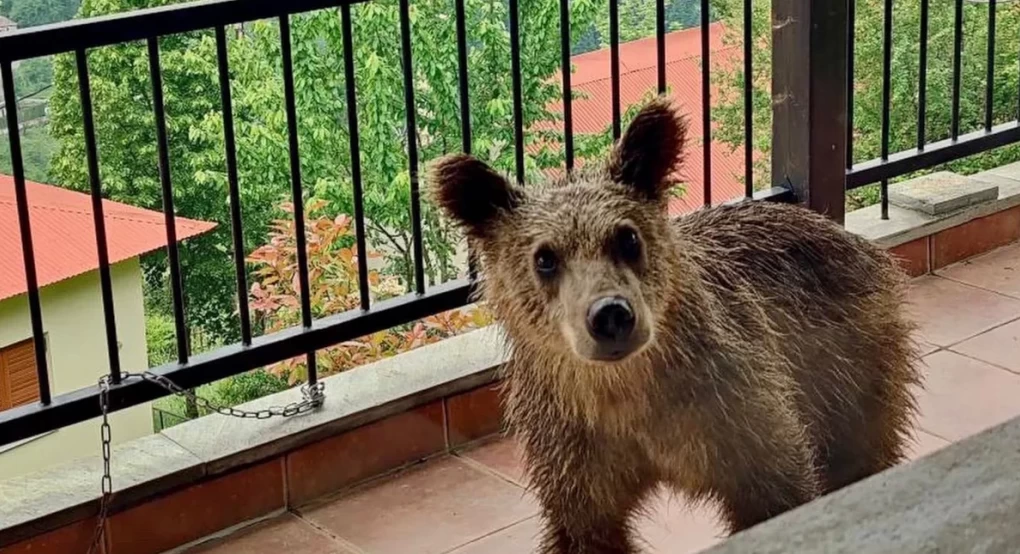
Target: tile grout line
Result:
[993, 365]
[977, 287]
[489, 534]
[489, 470]
[355, 549]
[224, 533]
[995, 327]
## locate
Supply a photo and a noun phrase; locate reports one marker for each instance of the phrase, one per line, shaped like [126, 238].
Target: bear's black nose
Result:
[611, 319]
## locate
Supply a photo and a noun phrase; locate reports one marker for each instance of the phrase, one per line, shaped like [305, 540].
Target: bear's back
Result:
[784, 249]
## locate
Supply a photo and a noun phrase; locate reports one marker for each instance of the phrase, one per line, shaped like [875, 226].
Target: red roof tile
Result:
[64, 237]
[638, 76]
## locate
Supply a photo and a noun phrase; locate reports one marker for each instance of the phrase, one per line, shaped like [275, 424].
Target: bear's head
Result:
[581, 265]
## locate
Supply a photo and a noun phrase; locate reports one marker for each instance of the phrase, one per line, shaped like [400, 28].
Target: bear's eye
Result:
[628, 245]
[546, 262]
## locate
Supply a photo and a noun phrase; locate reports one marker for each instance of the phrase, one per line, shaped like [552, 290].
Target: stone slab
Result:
[38, 502]
[941, 193]
[964, 498]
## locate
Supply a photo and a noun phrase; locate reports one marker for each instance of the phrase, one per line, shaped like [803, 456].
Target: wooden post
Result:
[809, 95]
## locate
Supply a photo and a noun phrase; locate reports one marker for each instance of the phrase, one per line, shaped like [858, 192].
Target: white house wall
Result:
[75, 330]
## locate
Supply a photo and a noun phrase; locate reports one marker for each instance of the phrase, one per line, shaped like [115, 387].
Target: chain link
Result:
[312, 397]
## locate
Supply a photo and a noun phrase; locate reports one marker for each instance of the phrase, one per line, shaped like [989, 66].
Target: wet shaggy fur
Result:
[778, 365]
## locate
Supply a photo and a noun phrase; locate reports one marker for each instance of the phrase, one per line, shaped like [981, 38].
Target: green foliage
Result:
[248, 386]
[637, 19]
[867, 114]
[29, 13]
[33, 76]
[160, 339]
[240, 389]
[37, 147]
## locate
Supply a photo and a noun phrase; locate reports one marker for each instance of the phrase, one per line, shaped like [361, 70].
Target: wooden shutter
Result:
[19, 383]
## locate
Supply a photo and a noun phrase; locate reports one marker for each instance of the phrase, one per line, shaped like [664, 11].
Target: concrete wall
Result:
[76, 348]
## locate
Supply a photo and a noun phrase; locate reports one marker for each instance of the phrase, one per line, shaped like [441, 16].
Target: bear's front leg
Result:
[764, 463]
[587, 495]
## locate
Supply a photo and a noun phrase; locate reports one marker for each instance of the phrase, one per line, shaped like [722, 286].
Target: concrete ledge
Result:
[906, 225]
[353, 398]
[962, 499]
[213, 445]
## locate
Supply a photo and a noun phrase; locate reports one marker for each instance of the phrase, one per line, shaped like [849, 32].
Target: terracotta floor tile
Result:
[285, 534]
[963, 396]
[521, 538]
[672, 527]
[1000, 346]
[923, 444]
[998, 270]
[504, 456]
[432, 508]
[949, 312]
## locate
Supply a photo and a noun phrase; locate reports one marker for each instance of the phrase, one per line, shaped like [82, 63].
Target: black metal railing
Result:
[926, 154]
[190, 371]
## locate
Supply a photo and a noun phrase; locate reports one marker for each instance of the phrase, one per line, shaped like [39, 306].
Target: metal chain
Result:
[312, 397]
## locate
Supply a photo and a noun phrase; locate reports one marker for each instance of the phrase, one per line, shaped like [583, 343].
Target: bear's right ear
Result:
[472, 193]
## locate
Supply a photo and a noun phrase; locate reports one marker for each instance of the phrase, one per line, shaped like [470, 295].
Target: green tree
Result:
[29, 13]
[124, 121]
[637, 21]
[905, 66]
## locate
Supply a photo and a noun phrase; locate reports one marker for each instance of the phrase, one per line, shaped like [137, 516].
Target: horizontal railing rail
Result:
[190, 371]
[203, 15]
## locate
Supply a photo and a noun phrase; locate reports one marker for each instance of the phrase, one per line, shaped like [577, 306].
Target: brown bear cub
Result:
[755, 354]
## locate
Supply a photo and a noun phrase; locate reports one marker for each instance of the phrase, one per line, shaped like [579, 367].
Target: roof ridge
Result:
[67, 210]
[632, 71]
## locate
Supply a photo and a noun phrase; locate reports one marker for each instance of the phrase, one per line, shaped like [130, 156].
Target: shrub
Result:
[333, 283]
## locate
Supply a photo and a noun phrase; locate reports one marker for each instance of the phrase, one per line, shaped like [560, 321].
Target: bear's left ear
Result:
[472, 193]
[651, 150]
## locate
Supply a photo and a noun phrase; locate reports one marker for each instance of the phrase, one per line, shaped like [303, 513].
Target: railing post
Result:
[809, 94]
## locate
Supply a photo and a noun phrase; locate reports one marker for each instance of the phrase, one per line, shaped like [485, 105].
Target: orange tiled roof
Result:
[64, 238]
[638, 76]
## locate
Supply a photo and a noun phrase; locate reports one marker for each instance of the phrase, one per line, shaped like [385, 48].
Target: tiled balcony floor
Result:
[474, 503]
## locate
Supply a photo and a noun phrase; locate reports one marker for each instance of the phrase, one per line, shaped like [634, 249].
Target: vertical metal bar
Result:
[568, 97]
[614, 64]
[98, 219]
[660, 43]
[748, 104]
[173, 255]
[886, 97]
[464, 85]
[230, 146]
[515, 69]
[412, 146]
[957, 57]
[352, 131]
[851, 36]
[922, 79]
[706, 99]
[27, 252]
[990, 69]
[465, 104]
[290, 104]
